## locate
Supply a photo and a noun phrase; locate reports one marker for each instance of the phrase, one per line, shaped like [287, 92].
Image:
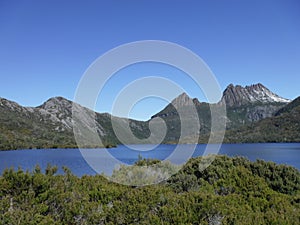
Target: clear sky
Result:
[46, 46]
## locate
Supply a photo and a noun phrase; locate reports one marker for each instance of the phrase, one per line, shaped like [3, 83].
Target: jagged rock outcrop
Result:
[257, 93]
[58, 110]
[182, 100]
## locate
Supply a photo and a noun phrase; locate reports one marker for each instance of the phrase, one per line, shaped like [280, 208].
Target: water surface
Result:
[282, 153]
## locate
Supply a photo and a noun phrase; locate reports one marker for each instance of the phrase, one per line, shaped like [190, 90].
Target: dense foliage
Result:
[229, 191]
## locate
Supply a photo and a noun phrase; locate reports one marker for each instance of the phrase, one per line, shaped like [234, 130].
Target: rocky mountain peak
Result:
[182, 100]
[236, 95]
[56, 104]
[59, 109]
[9, 104]
[14, 107]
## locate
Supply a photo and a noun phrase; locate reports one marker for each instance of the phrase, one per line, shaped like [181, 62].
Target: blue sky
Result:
[46, 46]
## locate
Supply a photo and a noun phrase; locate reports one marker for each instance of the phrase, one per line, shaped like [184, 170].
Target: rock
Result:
[182, 100]
[257, 93]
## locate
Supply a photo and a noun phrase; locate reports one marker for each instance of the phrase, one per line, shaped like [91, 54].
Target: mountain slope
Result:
[283, 127]
[179, 112]
[26, 127]
[51, 125]
[289, 108]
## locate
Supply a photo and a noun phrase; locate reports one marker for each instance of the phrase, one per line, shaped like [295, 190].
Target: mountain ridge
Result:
[184, 99]
[237, 95]
[51, 123]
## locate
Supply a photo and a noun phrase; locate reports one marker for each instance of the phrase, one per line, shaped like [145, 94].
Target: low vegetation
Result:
[229, 191]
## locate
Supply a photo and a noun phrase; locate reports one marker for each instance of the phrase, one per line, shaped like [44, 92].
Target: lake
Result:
[283, 153]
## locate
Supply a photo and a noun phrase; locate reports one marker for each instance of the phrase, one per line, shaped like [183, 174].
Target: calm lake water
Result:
[287, 153]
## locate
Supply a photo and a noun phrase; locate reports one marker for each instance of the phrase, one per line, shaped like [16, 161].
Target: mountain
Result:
[250, 104]
[257, 93]
[244, 105]
[283, 127]
[30, 127]
[59, 110]
[50, 125]
[180, 109]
